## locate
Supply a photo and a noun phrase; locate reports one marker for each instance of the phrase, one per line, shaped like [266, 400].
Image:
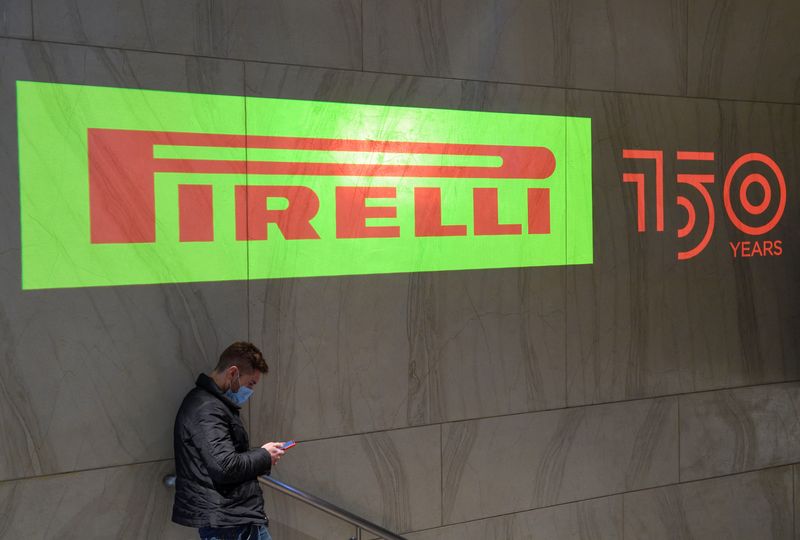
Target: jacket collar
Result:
[207, 383]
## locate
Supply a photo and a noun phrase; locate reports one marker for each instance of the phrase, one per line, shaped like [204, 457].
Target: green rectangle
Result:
[57, 247]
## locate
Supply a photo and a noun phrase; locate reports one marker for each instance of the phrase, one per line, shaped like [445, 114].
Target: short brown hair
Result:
[243, 355]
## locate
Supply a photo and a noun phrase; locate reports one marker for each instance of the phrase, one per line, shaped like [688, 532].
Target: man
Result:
[217, 489]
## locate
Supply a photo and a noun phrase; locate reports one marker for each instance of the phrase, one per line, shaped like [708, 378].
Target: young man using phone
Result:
[217, 489]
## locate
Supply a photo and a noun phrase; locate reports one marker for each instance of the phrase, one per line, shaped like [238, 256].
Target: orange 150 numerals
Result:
[752, 218]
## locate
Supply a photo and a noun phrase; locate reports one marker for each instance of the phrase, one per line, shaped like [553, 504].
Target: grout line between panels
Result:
[608, 496]
[362, 35]
[417, 75]
[686, 52]
[565, 268]
[538, 411]
[247, 235]
[679, 439]
[441, 474]
[86, 470]
[604, 496]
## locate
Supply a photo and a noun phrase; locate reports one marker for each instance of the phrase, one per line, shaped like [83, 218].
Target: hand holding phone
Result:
[275, 450]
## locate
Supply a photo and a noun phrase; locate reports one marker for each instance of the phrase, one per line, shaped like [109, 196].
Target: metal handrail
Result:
[329, 508]
[316, 502]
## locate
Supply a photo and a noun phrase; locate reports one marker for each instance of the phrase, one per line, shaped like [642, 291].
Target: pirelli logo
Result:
[124, 186]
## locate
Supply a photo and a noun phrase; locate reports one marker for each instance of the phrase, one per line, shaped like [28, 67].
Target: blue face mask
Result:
[239, 397]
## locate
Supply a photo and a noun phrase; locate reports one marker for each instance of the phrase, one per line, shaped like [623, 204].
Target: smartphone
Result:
[288, 444]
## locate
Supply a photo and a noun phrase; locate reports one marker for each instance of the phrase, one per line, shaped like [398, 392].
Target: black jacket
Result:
[216, 470]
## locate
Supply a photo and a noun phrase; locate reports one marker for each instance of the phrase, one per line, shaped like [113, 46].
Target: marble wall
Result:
[638, 397]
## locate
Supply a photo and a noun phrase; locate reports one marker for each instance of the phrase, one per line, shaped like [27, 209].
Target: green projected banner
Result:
[124, 186]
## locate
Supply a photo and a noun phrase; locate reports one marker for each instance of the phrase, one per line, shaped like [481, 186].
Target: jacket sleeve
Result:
[225, 465]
